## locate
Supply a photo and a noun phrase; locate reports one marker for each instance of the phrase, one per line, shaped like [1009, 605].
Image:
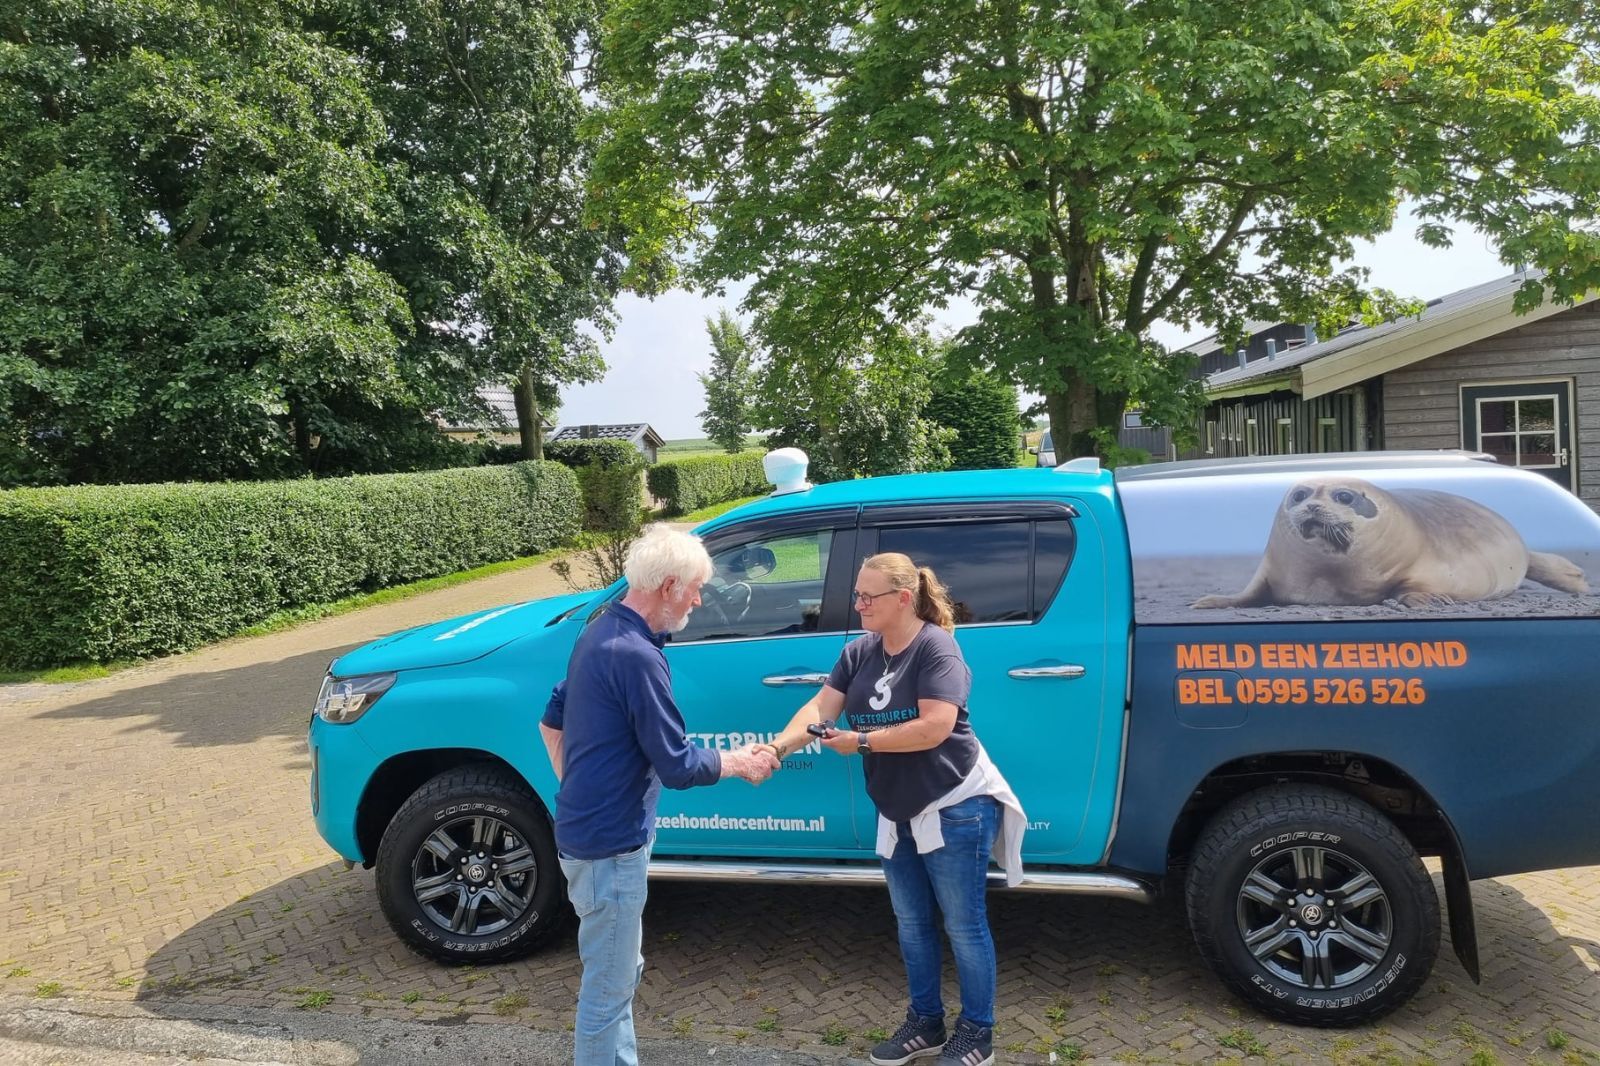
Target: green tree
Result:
[857, 410]
[184, 193]
[484, 102]
[726, 417]
[1082, 170]
[250, 241]
[980, 409]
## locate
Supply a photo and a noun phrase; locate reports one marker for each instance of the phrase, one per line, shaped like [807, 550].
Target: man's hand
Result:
[753, 762]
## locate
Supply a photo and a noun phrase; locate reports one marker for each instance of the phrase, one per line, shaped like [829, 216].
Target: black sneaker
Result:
[969, 1045]
[916, 1038]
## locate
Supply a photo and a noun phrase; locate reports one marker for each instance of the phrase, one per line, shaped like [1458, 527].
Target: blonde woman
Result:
[943, 808]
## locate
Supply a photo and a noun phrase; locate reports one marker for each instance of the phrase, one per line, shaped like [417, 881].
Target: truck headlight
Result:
[344, 699]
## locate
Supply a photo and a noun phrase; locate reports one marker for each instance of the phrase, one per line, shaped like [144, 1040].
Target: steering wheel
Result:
[732, 601]
[711, 599]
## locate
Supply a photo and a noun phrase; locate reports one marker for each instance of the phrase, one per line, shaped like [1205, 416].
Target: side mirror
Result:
[752, 562]
[1033, 451]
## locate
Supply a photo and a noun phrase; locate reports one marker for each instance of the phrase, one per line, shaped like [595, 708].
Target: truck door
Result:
[1028, 581]
[770, 628]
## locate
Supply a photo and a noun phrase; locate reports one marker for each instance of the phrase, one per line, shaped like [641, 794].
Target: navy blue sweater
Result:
[622, 738]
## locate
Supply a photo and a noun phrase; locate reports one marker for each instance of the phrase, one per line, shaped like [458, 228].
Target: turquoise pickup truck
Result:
[1270, 685]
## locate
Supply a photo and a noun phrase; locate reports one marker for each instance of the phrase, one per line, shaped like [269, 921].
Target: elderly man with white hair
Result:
[615, 736]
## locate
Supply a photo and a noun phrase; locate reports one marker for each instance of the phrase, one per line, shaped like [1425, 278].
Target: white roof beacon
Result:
[786, 469]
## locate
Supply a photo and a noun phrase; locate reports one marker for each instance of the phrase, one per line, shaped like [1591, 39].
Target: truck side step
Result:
[1074, 883]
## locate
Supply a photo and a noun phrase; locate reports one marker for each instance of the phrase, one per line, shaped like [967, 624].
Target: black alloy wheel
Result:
[1311, 905]
[467, 870]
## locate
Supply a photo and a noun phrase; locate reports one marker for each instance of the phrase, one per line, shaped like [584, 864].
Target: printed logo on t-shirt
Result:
[882, 687]
[881, 716]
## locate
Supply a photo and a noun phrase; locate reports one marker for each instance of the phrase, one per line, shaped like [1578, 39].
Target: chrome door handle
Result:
[795, 679]
[1068, 672]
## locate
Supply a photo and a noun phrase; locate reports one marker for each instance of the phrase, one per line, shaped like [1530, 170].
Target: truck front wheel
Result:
[467, 869]
[1312, 906]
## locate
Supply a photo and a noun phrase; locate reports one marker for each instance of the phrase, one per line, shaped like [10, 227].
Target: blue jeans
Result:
[953, 880]
[609, 896]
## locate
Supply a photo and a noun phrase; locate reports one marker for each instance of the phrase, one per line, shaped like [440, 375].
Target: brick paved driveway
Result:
[157, 846]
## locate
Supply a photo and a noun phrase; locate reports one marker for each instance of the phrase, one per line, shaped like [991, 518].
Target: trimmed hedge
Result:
[686, 485]
[609, 474]
[106, 572]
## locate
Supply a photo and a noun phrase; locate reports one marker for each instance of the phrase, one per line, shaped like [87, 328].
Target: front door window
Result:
[761, 644]
[1522, 425]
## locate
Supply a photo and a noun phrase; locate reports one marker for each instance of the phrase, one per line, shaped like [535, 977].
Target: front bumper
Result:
[342, 764]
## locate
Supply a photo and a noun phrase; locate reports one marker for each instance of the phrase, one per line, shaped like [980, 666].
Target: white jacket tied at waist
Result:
[983, 780]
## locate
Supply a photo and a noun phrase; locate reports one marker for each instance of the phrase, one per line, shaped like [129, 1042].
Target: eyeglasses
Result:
[868, 597]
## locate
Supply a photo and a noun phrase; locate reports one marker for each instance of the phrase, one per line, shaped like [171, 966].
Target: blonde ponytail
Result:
[933, 600]
[930, 599]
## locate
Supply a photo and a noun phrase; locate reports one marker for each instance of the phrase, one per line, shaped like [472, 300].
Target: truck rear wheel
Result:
[467, 869]
[1312, 906]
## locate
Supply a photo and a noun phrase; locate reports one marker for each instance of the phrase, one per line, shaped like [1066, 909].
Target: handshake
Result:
[753, 762]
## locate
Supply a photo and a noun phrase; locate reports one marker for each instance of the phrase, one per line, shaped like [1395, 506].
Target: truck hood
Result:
[458, 640]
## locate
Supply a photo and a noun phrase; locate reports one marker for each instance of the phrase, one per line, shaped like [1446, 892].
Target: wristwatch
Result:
[862, 747]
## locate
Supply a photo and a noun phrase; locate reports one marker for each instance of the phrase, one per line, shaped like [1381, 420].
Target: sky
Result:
[660, 345]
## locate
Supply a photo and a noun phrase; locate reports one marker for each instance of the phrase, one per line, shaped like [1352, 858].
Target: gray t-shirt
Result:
[882, 691]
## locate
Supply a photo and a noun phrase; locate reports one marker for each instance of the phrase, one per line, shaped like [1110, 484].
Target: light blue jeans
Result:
[609, 896]
[952, 880]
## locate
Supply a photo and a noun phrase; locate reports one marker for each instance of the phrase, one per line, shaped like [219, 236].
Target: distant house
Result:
[1156, 440]
[500, 425]
[639, 434]
[1468, 372]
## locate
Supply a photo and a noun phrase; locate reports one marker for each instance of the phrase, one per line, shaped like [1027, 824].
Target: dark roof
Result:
[635, 432]
[502, 405]
[1213, 343]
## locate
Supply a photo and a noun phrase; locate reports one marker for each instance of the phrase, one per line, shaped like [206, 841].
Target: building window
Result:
[1252, 438]
[1328, 434]
[1285, 436]
[1211, 437]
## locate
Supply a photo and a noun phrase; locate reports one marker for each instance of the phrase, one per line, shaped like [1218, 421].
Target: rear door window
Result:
[1001, 571]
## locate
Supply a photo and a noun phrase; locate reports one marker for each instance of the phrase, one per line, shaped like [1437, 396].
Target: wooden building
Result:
[1468, 372]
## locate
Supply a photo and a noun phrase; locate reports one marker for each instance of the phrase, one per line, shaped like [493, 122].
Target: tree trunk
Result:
[1073, 409]
[1073, 418]
[530, 422]
[302, 432]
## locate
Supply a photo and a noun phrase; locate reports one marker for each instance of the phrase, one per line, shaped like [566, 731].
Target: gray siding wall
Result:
[1422, 403]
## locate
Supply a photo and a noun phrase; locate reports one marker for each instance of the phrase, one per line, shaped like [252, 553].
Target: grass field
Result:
[677, 449]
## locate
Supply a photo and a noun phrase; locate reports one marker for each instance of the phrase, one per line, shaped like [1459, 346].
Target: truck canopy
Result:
[1365, 535]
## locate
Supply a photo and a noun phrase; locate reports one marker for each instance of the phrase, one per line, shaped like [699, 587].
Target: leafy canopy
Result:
[729, 385]
[261, 239]
[1081, 169]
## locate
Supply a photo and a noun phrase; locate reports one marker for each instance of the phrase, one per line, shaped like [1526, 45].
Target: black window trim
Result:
[961, 512]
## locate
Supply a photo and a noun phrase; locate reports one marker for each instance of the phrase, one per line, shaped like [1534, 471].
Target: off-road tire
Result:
[445, 811]
[1270, 837]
